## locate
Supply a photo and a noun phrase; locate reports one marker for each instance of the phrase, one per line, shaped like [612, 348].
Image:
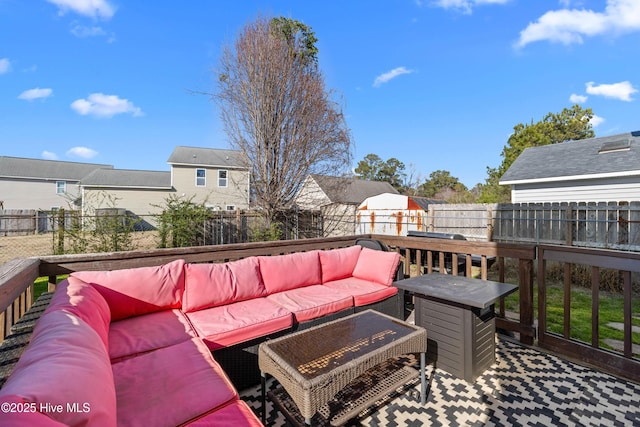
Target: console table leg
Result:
[423, 379]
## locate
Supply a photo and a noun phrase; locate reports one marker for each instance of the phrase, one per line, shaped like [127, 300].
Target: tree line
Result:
[570, 124]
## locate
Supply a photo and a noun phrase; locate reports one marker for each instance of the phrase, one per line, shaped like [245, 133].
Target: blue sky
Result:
[437, 84]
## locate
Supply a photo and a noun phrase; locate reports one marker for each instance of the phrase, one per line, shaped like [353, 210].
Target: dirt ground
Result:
[42, 244]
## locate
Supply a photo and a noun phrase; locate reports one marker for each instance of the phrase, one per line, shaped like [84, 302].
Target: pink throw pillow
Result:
[212, 285]
[284, 272]
[339, 263]
[377, 266]
[135, 291]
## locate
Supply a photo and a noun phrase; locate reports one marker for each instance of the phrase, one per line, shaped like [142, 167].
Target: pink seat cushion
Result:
[338, 263]
[211, 285]
[312, 302]
[284, 272]
[149, 332]
[170, 386]
[236, 414]
[83, 300]
[66, 362]
[362, 291]
[377, 266]
[135, 291]
[238, 322]
[24, 418]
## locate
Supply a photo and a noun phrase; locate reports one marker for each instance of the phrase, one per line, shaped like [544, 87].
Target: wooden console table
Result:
[458, 314]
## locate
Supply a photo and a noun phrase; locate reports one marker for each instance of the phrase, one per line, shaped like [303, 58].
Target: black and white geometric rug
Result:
[524, 387]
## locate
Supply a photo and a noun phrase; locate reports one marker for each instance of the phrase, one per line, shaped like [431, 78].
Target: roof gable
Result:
[19, 167]
[351, 190]
[195, 156]
[582, 159]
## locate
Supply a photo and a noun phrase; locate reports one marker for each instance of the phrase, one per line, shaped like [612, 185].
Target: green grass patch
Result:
[610, 310]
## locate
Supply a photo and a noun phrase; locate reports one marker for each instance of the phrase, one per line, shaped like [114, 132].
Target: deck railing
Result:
[421, 255]
[623, 264]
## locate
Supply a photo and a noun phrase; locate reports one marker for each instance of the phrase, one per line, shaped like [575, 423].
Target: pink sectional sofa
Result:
[138, 346]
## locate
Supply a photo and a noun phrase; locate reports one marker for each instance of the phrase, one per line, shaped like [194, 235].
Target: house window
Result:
[201, 177]
[231, 208]
[222, 178]
[61, 187]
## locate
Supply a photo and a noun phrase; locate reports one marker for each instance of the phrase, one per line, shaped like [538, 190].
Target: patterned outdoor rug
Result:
[523, 388]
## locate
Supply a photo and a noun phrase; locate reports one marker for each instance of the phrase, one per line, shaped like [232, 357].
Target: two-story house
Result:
[219, 178]
[42, 184]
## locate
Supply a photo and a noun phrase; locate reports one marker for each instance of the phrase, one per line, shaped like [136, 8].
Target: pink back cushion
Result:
[66, 362]
[135, 291]
[83, 300]
[339, 263]
[212, 285]
[284, 272]
[377, 266]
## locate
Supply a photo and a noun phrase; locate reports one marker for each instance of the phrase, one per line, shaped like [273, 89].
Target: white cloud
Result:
[83, 152]
[101, 105]
[5, 65]
[621, 91]
[48, 155]
[596, 120]
[36, 93]
[578, 99]
[91, 8]
[466, 6]
[569, 26]
[385, 77]
[83, 31]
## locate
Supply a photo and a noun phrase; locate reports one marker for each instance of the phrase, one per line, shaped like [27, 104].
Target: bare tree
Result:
[275, 109]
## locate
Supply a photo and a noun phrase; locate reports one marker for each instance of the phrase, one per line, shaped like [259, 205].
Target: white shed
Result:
[392, 214]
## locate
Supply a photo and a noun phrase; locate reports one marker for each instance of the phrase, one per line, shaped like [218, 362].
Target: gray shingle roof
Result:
[351, 190]
[127, 178]
[573, 159]
[195, 156]
[18, 167]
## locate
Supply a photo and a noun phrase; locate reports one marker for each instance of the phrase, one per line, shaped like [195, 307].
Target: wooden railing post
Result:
[525, 274]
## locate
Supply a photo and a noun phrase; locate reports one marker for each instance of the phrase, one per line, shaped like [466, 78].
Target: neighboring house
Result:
[140, 192]
[393, 214]
[42, 184]
[337, 198]
[589, 170]
[219, 178]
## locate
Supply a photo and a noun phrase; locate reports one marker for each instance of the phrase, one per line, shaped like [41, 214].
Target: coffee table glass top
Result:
[317, 351]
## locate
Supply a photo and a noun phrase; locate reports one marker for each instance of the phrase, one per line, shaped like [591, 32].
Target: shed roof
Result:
[19, 167]
[128, 178]
[195, 156]
[582, 159]
[351, 190]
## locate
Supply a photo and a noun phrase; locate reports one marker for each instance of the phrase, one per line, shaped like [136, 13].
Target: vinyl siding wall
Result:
[236, 193]
[36, 194]
[594, 190]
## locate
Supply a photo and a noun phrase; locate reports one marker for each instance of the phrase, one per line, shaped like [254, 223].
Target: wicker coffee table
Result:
[315, 364]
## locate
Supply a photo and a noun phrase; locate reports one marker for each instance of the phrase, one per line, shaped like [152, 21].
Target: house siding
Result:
[36, 194]
[140, 202]
[601, 190]
[311, 196]
[236, 193]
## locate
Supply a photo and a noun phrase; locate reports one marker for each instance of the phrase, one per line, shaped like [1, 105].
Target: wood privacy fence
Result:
[614, 225]
[593, 225]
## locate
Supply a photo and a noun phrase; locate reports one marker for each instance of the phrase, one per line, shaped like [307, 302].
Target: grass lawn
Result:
[610, 311]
